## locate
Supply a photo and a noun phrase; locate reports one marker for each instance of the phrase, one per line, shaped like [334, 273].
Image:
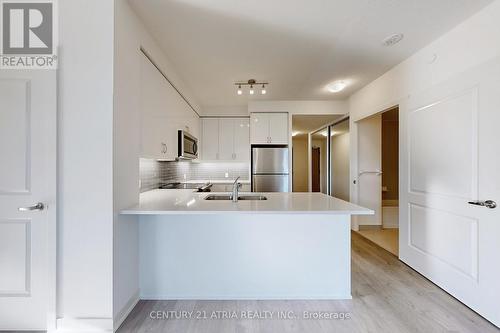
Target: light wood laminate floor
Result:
[388, 239]
[388, 296]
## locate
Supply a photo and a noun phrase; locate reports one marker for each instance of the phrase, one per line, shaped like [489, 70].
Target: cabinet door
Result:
[242, 139]
[153, 142]
[210, 139]
[152, 108]
[226, 139]
[259, 128]
[278, 128]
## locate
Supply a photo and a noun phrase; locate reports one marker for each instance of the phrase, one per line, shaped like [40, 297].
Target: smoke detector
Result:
[392, 40]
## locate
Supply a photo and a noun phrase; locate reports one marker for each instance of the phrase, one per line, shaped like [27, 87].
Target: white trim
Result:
[249, 297]
[125, 311]
[52, 138]
[84, 325]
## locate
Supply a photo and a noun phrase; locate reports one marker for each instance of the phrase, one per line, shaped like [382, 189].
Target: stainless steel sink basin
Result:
[252, 197]
[228, 197]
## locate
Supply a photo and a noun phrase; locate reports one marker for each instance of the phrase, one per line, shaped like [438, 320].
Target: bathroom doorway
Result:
[378, 178]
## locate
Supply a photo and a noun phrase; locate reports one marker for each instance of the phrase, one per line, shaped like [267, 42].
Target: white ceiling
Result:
[298, 46]
[303, 124]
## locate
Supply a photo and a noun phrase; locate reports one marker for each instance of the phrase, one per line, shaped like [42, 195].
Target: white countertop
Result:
[161, 202]
[219, 181]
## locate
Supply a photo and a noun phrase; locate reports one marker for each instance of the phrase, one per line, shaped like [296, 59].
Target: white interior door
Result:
[27, 177]
[450, 155]
[369, 178]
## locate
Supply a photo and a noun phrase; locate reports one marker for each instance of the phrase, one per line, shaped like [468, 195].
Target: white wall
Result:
[130, 35]
[300, 107]
[471, 43]
[237, 110]
[85, 150]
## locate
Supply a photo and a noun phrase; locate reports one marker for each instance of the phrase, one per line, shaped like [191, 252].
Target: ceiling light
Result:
[392, 40]
[251, 83]
[336, 86]
[295, 133]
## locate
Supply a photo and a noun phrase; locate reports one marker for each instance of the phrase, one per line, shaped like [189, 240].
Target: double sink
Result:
[230, 197]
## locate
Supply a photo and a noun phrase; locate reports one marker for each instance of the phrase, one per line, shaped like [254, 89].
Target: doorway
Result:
[316, 169]
[378, 178]
[302, 128]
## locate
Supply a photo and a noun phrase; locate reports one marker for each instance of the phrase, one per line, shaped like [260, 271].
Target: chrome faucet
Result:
[236, 186]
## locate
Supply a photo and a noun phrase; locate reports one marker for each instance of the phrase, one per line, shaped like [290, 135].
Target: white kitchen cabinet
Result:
[210, 139]
[163, 113]
[259, 128]
[242, 139]
[269, 128]
[225, 139]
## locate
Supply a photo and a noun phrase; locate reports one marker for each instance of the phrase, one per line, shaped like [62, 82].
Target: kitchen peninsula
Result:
[287, 246]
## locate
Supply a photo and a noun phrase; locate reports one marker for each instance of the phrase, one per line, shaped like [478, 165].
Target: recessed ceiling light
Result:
[392, 40]
[336, 86]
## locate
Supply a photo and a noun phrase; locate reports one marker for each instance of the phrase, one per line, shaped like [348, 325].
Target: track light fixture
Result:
[251, 83]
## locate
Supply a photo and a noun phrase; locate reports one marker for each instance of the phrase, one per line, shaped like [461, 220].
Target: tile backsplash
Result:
[152, 172]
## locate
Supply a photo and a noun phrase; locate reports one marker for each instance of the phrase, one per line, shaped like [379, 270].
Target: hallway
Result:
[388, 296]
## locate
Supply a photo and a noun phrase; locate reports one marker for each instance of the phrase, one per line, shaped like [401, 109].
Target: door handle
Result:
[38, 206]
[488, 203]
[376, 172]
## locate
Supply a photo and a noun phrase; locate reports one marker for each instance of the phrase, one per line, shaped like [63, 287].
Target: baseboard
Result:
[125, 311]
[84, 325]
[370, 227]
[245, 298]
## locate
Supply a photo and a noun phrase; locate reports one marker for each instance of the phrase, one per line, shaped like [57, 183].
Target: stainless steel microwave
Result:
[187, 145]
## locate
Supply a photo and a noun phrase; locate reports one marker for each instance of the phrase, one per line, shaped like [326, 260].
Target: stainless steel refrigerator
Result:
[270, 172]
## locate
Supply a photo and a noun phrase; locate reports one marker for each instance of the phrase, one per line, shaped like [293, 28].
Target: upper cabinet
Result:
[163, 113]
[226, 139]
[269, 128]
[210, 139]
